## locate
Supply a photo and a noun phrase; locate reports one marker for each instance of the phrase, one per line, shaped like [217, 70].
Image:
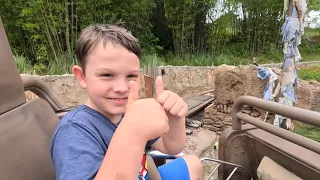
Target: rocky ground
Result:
[201, 142]
[208, 167]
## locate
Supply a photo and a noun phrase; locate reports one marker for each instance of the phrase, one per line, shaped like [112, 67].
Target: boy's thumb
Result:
[159, 85]
[133, 92]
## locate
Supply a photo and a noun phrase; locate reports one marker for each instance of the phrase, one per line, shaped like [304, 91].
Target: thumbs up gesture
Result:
[145, 116]
[172, 103]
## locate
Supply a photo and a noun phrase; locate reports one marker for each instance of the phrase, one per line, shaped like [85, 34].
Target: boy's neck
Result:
[114, 118]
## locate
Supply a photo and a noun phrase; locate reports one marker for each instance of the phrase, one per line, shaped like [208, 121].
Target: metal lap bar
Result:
[214, 170]
[224, 162]
[298, 114]
[234, 170]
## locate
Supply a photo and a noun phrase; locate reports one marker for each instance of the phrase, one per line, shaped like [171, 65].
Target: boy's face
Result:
[107, 74]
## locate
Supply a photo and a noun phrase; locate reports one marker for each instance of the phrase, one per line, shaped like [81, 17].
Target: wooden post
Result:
[148, 81]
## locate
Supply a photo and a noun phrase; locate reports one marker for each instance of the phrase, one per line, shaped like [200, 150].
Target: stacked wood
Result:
[217, 118]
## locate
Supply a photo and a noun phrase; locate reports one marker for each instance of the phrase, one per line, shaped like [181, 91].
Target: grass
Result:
[64, 63]
[209, 60]
[23, 65]
[312, 32]
[310, 73]
[307, 130]
[61, 66]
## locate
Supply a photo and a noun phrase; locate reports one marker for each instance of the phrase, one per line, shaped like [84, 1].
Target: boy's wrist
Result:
[125, 137]
[133, 130]
[174, 120]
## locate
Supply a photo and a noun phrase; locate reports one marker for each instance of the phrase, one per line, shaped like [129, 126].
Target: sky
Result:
[312, 19]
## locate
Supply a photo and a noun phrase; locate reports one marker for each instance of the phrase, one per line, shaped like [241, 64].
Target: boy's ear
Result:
[79, 74]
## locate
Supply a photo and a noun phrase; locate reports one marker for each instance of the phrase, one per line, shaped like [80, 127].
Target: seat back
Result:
[25, 127]
[11, 88]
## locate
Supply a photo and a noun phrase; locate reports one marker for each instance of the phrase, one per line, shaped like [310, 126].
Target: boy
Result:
[96, 140]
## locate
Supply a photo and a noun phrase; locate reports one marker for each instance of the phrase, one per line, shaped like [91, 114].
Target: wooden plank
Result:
[200, 97]
[192, 103]
[198, 107]
[206, 92]
[195, 103]
[148, 86]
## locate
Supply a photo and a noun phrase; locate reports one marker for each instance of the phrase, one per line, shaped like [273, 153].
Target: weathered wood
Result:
[148, 86]
[206, 92]
[195, 108]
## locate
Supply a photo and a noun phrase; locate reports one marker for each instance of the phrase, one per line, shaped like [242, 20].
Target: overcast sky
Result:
[312, 19]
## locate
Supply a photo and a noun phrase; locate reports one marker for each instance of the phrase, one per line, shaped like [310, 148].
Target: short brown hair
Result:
[91, 35]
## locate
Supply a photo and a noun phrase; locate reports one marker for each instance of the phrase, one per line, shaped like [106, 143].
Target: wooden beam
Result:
[206, 92]
[198, 107]
[148, 81]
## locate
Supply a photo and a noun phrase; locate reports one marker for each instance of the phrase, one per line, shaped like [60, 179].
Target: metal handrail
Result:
[236, 167]
[44, 91]
[302, 115]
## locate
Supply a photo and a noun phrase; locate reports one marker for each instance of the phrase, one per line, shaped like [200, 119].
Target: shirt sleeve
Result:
[76, 152]
[149, 143]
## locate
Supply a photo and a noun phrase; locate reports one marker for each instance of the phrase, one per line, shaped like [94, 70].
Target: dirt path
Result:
[201, 143]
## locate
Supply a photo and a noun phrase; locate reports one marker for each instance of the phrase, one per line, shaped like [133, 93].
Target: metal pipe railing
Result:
[44, 91]
[225, 162]
[302, 115]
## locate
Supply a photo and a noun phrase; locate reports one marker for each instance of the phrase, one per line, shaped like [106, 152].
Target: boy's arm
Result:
[78, 151]
[78, 154]
[173, 142]
[119, 162]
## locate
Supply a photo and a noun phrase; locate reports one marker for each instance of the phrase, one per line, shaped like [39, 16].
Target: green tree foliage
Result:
[45, 31]
[314, 5]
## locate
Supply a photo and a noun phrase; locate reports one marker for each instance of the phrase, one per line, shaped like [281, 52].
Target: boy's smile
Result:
[119, 101]
[108, 71]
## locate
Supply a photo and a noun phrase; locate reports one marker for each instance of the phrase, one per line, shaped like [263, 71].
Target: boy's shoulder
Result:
[83, 122]
[85, 118]
[83, 115]
[80, 114]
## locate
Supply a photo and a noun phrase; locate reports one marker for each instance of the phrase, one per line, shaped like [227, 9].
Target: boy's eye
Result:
[106, 75]
[132, 76]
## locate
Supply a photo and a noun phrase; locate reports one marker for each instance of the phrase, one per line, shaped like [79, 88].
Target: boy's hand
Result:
[145, 116]
[172, 103]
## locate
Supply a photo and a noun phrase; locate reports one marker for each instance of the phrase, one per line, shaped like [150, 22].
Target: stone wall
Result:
[232, 82]
[217, 118]
[185, 80]
[67, 87]
[236, 81]
[181, 80]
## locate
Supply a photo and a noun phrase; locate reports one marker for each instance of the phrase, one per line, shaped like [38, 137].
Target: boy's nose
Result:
[120, 87]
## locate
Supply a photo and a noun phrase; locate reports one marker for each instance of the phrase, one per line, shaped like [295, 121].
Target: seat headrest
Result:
[11, 87]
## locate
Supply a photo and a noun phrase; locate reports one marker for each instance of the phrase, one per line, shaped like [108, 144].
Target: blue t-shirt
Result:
[80, 142]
